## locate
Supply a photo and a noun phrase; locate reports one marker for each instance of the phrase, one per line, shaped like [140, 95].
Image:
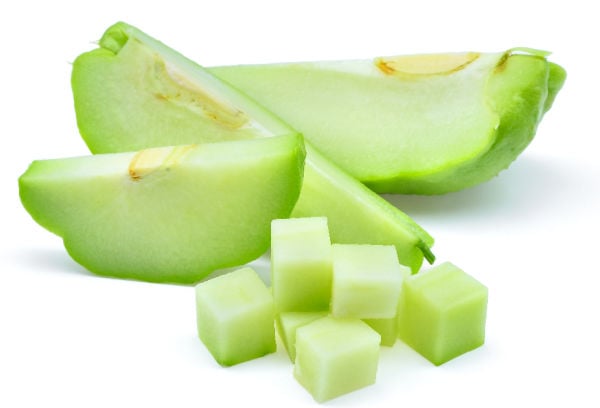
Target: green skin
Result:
[172, 217]
[423, 134]
[127, 98]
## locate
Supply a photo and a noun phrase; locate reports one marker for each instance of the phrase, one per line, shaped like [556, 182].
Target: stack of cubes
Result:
[334, 305]
[321, 293]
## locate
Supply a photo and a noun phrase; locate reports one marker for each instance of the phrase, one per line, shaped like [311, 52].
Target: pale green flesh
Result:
[118, 109]
[366, 281]
[301, 264]
[235, 315]
[206, 208]
[335, 356]
[425, 134]
[288, 322]
[442, 313]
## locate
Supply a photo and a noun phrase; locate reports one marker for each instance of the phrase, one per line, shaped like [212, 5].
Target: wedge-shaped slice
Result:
[134, 92]
[425, 124]
[235, 315]
[170, 214]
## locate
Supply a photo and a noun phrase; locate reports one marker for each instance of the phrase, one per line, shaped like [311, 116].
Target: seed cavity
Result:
[148, 161]
[172, 85]
[410, 66]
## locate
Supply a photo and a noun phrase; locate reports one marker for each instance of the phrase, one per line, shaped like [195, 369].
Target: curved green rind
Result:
[517, 92]
[556, 79]
[116, 36]
[211, 210]
[116, 112]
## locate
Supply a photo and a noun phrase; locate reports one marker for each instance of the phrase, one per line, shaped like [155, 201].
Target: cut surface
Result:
[235, 315]
[134, 92]
[424, 124]
[442, 313]
[335, 356]
[169, 214]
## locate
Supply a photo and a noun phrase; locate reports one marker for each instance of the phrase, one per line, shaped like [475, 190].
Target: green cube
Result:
[442, 313]
[335, 356]
[288, 322]
[366, 281]
[301, 264]
[235, 316]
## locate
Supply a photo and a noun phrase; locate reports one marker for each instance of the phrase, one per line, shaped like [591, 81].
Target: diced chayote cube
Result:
[235, 315]
[442, 313]
[301, 264]
[388, 327]
[336, 356]
[366, 281]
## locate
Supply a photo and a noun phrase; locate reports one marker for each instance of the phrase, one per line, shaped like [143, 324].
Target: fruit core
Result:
[148, 161]
[173, 85]
[424, 65]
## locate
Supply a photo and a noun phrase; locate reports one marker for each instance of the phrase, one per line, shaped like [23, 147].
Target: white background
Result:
[71, 339]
